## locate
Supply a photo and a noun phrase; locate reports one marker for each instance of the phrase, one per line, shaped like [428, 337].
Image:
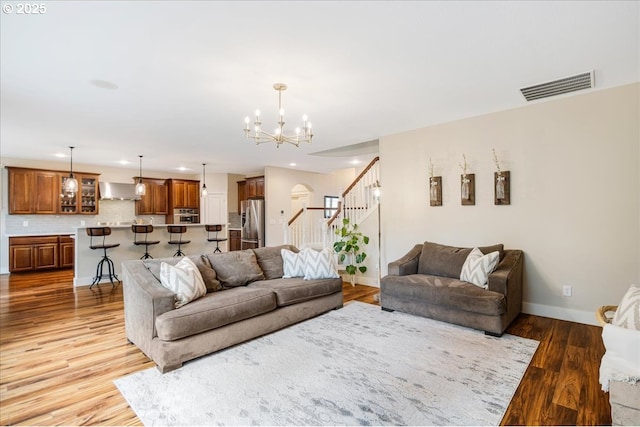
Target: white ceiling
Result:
[174, 80]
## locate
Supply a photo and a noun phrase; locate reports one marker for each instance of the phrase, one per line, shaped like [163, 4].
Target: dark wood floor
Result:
[61, 348]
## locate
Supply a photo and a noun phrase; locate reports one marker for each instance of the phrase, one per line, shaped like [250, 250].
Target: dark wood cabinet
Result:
[234, 240]
[28, 253]
[183, 194]
[156, 198]
[85, 200]
[33, 191]
[250, 188]
[67, 247]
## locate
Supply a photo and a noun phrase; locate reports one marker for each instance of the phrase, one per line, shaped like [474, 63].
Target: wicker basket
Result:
[603, 316]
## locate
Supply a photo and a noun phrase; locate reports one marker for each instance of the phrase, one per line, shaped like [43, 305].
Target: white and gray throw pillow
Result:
[477, 267]
[293, 263]
[184, 280]
[319, 265]
[628, 312]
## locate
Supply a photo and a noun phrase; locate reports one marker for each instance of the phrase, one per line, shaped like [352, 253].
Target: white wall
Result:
[575, 195]
[278, 185]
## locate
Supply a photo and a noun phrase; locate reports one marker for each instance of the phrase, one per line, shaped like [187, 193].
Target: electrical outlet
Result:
[82, 223]
[566, 291]
[25, 223]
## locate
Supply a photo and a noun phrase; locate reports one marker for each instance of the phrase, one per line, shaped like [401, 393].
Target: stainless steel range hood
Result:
[118, 191]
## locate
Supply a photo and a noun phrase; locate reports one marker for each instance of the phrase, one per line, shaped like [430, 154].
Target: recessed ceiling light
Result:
[60, 155]
[123, 162]
[355, 162]
[292, 164]
[182, 169]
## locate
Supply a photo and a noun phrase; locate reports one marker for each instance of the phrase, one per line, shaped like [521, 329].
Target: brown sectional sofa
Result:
[171, 336]
[426, 282]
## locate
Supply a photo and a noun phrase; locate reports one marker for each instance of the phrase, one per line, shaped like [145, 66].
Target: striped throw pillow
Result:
[628, 312]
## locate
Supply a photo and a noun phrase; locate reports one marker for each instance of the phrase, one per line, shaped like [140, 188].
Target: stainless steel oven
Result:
[186, 216]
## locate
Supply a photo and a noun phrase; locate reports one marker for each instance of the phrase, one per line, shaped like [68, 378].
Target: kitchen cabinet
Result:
[156, 198]
[184, 194]
[85, 200]
[254, 187]
[234, 240]
[33, 191]
[250, 188]
[67, 247]
[30, 253]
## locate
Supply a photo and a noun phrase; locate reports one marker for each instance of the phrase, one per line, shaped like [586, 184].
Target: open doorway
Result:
[301, 196]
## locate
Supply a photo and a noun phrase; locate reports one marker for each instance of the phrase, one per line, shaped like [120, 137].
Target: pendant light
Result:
[203, 192]
[140, 187]
[71, 183]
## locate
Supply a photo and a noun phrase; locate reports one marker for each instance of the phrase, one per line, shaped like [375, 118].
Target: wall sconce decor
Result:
[435, 187]
[501, 184]
[467, 185]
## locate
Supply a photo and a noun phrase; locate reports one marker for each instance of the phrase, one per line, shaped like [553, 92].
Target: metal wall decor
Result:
[467, 185]
[435, 187]
[501, 184]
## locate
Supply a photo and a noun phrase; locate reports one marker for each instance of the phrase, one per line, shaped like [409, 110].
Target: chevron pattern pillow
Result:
[320, 265]
[478, 266]
[628, 312]
[292, 263]
[184, 280]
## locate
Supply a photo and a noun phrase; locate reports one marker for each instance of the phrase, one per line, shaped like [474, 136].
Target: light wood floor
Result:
[61, 349]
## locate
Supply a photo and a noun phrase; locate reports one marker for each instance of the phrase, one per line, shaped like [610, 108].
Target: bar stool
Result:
[179, 230]
[138, 241]
[215, 229]
[102, 232]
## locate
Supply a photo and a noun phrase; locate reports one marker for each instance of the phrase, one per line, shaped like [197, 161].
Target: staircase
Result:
[309, 227]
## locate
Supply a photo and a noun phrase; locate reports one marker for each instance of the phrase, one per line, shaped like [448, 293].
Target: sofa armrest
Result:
[507, 277]
[406, 265]
[144, 300]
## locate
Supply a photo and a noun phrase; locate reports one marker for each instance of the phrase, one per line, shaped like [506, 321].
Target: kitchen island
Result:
[87, 259]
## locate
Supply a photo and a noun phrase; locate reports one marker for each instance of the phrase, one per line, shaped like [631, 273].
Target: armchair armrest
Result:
[406, 265]
[507, 277]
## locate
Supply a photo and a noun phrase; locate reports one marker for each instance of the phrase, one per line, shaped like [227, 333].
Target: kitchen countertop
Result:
[70, 234]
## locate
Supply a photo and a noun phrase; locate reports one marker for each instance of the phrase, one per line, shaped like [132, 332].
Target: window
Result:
[330, 206]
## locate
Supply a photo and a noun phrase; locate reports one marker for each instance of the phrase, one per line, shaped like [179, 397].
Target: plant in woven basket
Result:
[350, 245]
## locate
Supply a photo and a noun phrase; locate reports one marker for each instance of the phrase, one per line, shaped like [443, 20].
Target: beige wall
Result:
[575, 194]
[278, 185]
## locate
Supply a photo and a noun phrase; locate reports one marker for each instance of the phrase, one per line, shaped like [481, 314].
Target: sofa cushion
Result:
[295, 290]
[445, 292]
[270, 260]
[236, 268]
[447, 261]
[184, 280]
[214, 311]
[208, 273]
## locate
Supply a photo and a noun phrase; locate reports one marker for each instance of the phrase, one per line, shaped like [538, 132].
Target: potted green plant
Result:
[350, 244]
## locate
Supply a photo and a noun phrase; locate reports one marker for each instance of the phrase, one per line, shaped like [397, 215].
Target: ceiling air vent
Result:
[558, 87]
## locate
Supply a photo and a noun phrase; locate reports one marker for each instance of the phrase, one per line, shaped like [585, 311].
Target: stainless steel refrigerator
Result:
[252, 213]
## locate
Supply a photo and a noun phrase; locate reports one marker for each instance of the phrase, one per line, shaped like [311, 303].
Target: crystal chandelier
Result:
[279, 136]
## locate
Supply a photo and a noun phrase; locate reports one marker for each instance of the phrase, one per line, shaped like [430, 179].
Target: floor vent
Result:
[558, 87]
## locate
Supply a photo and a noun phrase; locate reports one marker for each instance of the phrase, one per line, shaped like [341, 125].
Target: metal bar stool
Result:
[216, 228]
[102, 232]
[179, 230]
[138, 241]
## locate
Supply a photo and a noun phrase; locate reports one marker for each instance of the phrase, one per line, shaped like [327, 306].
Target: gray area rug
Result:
[353, 366]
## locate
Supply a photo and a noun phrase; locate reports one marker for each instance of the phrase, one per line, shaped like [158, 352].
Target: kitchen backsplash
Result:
[234, 220]
[111, 211]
